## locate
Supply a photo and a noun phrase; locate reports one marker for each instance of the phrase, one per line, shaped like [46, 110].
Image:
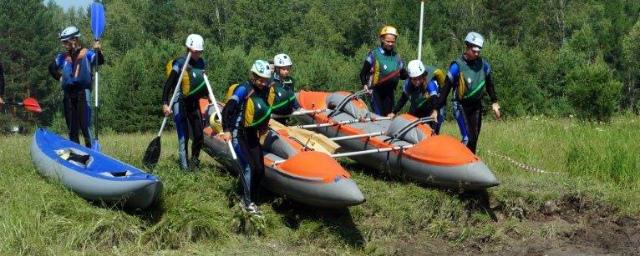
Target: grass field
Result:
[586, 203]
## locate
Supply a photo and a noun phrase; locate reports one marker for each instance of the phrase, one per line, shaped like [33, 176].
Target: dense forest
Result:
[549, 57]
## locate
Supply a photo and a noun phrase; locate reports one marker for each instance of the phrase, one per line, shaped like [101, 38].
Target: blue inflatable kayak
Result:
[91, 174]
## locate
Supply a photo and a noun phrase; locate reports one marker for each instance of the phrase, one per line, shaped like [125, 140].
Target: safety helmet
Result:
[69, 33]
[282, 60]
[195, 42]
[261, 69]
[475, 39]
[415, 68]
[388, 30]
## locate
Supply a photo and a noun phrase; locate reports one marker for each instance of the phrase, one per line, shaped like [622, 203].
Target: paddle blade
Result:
[152, 154]
[31, 105]
[98, 20]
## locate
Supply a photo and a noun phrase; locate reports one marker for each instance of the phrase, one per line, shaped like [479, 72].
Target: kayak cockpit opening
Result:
[117, 174]
[75, 156]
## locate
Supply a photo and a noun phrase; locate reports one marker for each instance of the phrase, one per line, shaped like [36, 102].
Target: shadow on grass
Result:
[339, 221]
[293, 213]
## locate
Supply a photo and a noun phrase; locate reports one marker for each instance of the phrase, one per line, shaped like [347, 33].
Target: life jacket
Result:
[285, 97]
[471, 79]
[418, 97]
[76, 72]
[192, 80]
[385, 67]
[256, 106]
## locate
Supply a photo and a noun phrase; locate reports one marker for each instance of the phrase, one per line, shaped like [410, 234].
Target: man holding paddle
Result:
[188, 87]
[73, 69]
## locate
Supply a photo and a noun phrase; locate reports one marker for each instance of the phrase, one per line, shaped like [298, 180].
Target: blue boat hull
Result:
[99, 178]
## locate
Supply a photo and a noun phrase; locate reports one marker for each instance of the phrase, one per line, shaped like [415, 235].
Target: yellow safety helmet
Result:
[388, 30]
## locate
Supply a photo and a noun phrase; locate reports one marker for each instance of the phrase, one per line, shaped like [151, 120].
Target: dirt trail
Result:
[570, 226]
[584, 227]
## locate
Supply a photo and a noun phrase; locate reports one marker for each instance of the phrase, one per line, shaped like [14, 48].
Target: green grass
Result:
[596, 165]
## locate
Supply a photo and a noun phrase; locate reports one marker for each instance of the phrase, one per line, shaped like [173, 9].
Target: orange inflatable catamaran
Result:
[306, 176]
[403, 146]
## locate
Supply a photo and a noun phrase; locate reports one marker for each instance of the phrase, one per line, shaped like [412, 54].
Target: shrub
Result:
[593, 91]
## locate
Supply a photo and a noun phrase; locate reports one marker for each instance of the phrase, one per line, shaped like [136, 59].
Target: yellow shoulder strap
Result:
[271, 98]
[185, 77]
[230, 91]
[439, 75]
[249, 110]
[462, 86]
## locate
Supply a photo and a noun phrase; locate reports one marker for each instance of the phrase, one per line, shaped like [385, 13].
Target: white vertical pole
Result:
[420, 35]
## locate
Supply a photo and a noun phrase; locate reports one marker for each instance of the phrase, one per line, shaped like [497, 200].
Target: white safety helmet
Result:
[195, 42]
[261, 69]
[69, 33]
[415, 68]
[282, 60]
[475, 39]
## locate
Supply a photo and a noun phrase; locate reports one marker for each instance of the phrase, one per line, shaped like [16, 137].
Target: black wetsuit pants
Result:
[473, 123]
[77, 114]
[249, 151]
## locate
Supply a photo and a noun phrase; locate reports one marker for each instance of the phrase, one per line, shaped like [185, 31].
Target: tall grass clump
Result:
[606, 153]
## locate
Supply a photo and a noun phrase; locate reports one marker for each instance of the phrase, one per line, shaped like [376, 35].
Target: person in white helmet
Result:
[285, 102]
[73, 69]
[421, 90]
[469, 77]
[185, 106]
[245, 119]
[381, 71]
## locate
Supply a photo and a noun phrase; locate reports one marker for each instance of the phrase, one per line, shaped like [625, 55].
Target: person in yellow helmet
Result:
[381, 71]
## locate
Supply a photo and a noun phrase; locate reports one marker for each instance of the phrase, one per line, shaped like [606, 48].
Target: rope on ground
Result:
[521, 165]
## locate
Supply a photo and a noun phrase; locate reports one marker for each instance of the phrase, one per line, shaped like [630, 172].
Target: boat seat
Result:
[413, 135]
[275, 144]
[356, 108]
[74, 156]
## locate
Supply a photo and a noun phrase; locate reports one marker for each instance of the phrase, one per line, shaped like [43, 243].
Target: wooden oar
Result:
[312, 140]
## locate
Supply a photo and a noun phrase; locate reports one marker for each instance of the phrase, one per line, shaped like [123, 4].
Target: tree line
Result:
[551, 57]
